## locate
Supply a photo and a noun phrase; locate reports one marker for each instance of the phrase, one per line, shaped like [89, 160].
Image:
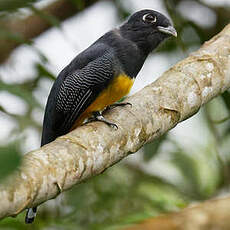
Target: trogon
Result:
[101, 75]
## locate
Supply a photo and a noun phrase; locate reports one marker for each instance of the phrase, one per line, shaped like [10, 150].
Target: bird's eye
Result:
[149, 18]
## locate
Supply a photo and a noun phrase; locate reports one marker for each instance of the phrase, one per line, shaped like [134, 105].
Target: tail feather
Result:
[30, 215]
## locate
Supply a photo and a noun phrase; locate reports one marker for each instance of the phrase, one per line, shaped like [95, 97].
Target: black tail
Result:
[30, 215]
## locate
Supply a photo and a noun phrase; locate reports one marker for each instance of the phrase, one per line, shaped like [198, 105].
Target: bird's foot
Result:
[116, 105]
[97, 116]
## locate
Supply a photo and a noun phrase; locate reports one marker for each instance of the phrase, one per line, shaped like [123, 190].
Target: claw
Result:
[98, 117]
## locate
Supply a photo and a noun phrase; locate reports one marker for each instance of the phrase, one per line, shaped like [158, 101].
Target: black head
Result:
[147, 28]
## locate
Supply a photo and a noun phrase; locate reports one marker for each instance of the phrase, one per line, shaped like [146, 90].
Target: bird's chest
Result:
[117, 89]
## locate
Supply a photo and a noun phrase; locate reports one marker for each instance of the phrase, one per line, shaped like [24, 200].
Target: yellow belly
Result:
[116, 90]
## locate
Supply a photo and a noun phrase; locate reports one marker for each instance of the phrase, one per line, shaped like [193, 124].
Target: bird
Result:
[101, 75]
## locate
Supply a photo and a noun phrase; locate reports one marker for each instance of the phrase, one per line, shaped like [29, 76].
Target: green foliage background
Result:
[125, 193]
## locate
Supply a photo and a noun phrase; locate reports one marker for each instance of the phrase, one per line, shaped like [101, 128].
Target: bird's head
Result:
[147, 29]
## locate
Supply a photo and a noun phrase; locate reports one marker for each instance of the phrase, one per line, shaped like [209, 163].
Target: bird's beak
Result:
[168, 30]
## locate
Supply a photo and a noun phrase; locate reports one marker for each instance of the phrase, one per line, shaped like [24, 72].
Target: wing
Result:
[81, 88]
[75, 93]
[73, 98]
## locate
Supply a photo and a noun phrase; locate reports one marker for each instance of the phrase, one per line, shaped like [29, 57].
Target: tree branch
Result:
[33, 25]
[92, 148]
[212, 214]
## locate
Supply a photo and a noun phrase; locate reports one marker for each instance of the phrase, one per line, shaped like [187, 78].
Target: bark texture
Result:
[92, 148]
[210, 215]
[32, 26]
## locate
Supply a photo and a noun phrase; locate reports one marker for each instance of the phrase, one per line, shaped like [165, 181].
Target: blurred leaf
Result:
[80, 4]
[20, 91]
[6, 34]
[9, 5]
[2, 109]
[212, 170]
[226, 98]
[42, 71]
[49, 18]
[188, 168]
[221, 121]
[162, 196]
[151, 149]
[122, 12]
[227, 130]
[202, 172]
[136, 217]
[42, 56]
[9, 160]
